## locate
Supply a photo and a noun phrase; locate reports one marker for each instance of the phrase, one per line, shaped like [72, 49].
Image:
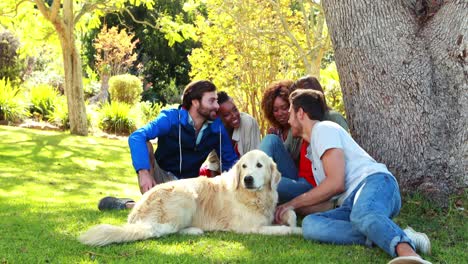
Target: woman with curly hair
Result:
[287, 151]
[279, 142]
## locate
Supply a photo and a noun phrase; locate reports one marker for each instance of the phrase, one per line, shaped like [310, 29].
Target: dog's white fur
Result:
[242, 200]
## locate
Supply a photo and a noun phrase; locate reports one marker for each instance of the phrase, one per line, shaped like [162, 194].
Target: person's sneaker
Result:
[408, 260]
[112, 203]
[420, 240]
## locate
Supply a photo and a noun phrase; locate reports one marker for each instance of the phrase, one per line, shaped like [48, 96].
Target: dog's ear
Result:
[235, 174]
[275, 175]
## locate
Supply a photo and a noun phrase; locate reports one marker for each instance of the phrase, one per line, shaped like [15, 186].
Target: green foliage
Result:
[149, 111]
[43, 99]
[117, 118]
[114, 57]
[125, 88]
[10, 66]
[330, 81]
[91, 85]
[245, 47]
[51, 183]
[12, 106]
[165, 68]
[59, 115]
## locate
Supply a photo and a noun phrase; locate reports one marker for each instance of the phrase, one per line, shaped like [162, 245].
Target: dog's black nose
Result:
[248, 180]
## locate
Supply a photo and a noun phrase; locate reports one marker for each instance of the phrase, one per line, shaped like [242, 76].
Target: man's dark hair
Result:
[223, 97]
[308, 82]
[310, 101]
[195, 91]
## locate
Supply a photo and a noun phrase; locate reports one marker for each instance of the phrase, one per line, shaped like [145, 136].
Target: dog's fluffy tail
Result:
[104, 234]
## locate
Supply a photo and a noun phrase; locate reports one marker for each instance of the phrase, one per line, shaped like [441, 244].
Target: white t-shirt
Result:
[358, 164]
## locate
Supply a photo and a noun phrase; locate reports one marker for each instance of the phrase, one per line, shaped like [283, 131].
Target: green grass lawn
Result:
[50, 184]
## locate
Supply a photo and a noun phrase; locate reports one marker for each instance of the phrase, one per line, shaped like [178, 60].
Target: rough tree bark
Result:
[71, 62]
[403, 68]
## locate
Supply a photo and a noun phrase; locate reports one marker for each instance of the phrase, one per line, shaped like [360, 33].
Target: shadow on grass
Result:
[29, 156]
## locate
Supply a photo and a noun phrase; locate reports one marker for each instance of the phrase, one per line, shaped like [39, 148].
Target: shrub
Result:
[125, 88]
[12, 106]
[59, 115]
[43, 98]
[91, 85]
[10, 65]
[117, 118]
[149, 111]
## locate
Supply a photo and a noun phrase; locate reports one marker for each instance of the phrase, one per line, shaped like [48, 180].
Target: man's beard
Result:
[206, 113]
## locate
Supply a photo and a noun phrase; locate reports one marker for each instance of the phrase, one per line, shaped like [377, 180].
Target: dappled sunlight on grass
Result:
[51, 182]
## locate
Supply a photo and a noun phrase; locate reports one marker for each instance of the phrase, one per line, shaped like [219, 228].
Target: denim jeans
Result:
[366, 221]
[291, 185]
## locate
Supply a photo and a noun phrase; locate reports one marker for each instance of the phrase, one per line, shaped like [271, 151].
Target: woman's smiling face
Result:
[281, 111]
[229, 114]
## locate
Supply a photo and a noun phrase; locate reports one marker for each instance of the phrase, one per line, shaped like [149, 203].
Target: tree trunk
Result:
[103, 95]
[403, 69]
[71, 61]
[73, 78]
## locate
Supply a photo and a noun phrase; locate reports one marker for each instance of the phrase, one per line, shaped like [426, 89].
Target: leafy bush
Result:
[12, 106]
[125, 88]
[149, 111]
[10, 65]
[59, 115]
[43, 99]
[117, 118]
[91, 85]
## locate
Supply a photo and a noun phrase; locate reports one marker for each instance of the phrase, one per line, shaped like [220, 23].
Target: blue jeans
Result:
[365, 222]
[291, 185]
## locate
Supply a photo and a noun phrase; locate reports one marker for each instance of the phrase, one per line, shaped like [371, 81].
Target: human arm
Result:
[146, 181]
[228, 156]
[273, 130]
[249, 134]
[333, 184]
[140, 149]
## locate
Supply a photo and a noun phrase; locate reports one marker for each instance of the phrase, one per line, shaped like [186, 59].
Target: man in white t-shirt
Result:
[366, 191]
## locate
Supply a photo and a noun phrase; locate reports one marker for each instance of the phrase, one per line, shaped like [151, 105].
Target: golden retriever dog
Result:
[242, 200]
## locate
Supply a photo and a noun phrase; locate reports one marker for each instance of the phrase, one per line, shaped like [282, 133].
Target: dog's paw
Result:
[289, 218]
[296, 230]
[194, 231]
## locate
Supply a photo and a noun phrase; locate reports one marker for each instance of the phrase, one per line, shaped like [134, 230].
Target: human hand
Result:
[145, 180]
[280, 210]
[273, 130]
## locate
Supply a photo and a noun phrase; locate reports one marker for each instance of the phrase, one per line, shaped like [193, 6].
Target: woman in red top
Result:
[287, 151]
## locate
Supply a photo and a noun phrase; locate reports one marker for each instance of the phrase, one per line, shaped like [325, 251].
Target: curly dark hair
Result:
[223, 97]
[275, 89]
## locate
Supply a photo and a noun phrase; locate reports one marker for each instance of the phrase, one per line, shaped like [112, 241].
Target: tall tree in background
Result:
[65, 16]
[404, 70]
[303, 27]
[162, 52]
[248, 44]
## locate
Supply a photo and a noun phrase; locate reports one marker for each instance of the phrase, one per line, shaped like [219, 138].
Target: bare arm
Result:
[334, 183]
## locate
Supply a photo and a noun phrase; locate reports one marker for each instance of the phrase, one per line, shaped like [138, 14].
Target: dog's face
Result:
[255, 171]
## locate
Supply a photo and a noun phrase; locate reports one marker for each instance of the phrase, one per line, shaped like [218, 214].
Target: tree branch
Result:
[140, 21]
[54, 9]
[43, 8]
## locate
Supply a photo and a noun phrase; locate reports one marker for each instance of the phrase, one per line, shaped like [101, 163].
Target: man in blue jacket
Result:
[185, 135]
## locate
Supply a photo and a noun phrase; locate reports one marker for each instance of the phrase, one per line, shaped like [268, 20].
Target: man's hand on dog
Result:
[280, 210]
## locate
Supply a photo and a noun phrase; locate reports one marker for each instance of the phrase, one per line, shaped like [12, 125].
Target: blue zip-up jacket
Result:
[166, 127]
